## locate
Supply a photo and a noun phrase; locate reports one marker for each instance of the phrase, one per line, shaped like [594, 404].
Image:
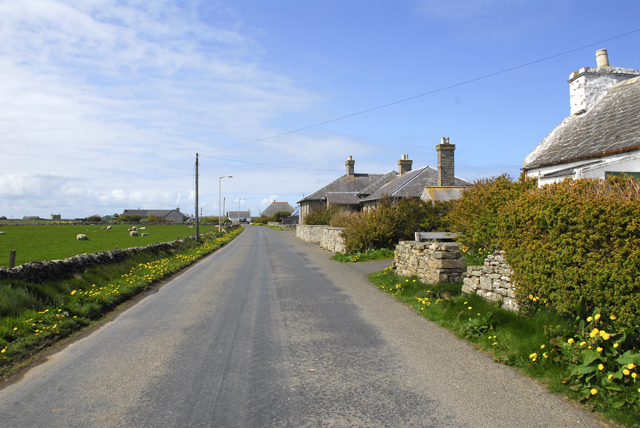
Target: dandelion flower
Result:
[610, 376]
[631, 366]
[602, 333]
[496, 343]
[545, 355]
[613, 317]
[571, 341]
[634, 375]
[542, 347]
[470, 307]
[601, 367]
[73, 292]
[599, 349]
[606, 336]
[615, 345]
[626, 372]
[589, 319]
[15, 328]
[3, 351]
[597, 317]
[594, 391]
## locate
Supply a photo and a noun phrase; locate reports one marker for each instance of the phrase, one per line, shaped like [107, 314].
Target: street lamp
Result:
[220, 200]
[239, 210]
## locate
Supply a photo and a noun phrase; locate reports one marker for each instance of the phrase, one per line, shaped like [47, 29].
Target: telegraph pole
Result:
[197, 218]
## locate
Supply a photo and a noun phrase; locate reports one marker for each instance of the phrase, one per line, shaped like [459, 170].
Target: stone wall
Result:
[329, 238]
[431, 261]
[492, 281]
[282, 225]
[59, 269]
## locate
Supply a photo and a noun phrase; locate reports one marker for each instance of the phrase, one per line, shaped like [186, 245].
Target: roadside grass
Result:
[357, 256]
[509, 338]
[57, 242]
[35, 316]
[276, 228]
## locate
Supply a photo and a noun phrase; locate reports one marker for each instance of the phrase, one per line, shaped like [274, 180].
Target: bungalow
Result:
[238, 216]
[169, 215]
[427, 183]
[346, 191]
[601, 136]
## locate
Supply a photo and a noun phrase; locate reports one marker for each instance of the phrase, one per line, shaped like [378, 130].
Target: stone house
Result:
[236, 216]
[601, 136]
[169, 215]
[414, 183]
[346, 191]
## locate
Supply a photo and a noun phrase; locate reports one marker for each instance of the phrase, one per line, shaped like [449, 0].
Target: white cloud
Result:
[107, 103]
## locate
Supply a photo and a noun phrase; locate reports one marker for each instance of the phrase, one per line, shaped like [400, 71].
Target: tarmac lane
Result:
[268, 332]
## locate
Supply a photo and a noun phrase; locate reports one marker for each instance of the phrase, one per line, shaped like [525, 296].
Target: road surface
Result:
[268, 332]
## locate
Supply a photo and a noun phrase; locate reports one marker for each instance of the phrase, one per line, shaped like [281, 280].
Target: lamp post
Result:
[239, 210]
[220, 200]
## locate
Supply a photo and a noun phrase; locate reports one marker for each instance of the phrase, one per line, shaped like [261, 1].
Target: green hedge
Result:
[577, 245]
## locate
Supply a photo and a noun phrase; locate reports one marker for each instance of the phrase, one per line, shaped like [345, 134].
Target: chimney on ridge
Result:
[446, 168]
[405, 165]
[588, 85]
[350, 167]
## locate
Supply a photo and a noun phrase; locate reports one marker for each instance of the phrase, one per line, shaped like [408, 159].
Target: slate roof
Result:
[611, 127]
[234, 214]
[147, 213]
[412, 184]
[277, 207]
[360, 184]
[343, 198]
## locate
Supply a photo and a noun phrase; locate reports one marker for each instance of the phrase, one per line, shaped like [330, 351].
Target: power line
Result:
[267, 164]
[486, 76]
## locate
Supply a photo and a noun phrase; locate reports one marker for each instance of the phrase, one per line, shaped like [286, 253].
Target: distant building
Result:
[276, 207]
[169, 215]
[601, 136]
[235, 216]
[56, 217]
[31, 217]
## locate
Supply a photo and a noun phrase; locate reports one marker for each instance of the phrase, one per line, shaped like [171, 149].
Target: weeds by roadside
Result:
[34, 316]
[364, 256]
[589, 361]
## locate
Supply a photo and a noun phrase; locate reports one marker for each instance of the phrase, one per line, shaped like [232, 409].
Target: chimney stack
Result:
[588, 85]
[350, 167]
[405, 164]
[446, 168]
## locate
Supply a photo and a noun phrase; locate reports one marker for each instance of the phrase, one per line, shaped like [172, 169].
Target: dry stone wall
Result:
[492, 281]
[329, 238]
[36, 272]
[431, 261]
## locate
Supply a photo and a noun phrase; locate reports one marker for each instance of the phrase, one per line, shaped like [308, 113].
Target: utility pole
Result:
[197, 218]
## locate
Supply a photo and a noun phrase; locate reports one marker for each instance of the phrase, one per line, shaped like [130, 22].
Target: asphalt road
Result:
[268, 332]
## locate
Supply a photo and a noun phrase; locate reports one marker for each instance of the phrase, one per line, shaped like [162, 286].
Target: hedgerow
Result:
[577, 245]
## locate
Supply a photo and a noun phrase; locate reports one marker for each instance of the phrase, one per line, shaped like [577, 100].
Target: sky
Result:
[105, 103]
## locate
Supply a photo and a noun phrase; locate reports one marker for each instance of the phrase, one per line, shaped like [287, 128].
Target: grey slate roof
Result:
[147, 213]
[360, 184]
[234, 214]
[612, 126]
[343, 198]
[277, 207]
[412, 184]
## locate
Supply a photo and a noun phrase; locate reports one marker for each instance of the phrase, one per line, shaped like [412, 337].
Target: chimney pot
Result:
[602, 58]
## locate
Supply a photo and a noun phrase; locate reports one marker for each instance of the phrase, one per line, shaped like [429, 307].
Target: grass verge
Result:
[535, 344]
[35, 316]
[379, 254]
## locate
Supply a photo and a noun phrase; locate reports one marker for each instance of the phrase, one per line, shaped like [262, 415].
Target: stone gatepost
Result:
[433, 261]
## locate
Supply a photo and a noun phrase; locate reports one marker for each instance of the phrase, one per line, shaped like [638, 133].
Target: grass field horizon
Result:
[51, 242]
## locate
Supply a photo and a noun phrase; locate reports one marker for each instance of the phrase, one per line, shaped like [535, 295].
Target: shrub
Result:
[476, 214]
[391, 222]
[93, 219]
[157, 219]
[577, 245]
[277, 217]
[321, 215]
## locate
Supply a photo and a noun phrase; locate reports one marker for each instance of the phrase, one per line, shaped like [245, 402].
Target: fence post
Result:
[12, 259]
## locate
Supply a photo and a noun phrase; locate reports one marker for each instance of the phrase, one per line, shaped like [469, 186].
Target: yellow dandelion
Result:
[597, 317]
[626, 372]
[601, 367]
[594, 391]
[615, 345]
[589, 319]
[599, 349]
[542, 347]
[571, 341]
[613, 317]
[73, 292]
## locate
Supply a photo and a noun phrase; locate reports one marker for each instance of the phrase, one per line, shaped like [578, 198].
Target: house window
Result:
[635, 175]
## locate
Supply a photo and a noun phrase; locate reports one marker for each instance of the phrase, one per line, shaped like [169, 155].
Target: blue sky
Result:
[106, 102]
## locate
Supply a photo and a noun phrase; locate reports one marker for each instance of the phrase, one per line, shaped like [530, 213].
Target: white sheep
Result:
[108, 227]
[145, 234]
[134, 233]
[82, 237]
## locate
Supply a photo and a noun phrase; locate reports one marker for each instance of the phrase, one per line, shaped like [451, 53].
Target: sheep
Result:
[134, 228]
[134, 233]
[145, 234]
[82, 237]
[102, 228]
[108, 227]
[142, 228]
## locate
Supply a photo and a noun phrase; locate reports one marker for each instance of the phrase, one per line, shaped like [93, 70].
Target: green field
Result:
[57, 242]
